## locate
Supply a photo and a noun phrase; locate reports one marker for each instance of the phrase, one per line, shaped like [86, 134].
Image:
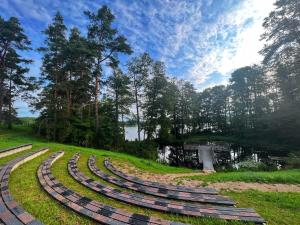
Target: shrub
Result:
[144, 149]
[251, 165]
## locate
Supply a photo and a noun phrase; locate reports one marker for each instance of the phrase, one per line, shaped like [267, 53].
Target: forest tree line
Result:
[82, 104]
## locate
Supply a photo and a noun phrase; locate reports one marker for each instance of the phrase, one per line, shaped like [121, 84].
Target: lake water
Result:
[131, 133]
[225, 154]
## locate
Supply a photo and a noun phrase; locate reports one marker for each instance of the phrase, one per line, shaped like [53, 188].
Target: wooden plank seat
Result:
[137, 180]
[13, 150]
[87, 207]
[11, 213]
[160, 192]
[164, 205]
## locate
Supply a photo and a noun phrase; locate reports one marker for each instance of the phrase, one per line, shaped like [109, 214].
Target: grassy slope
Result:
[283, 177]
[277, 208]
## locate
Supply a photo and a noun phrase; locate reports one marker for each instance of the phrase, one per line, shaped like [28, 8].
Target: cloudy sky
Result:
[202, 41]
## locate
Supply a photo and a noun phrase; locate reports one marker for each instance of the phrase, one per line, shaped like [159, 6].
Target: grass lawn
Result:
[276, 208]
[282, 176]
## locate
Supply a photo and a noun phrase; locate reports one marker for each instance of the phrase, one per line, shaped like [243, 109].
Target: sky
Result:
[202, 41]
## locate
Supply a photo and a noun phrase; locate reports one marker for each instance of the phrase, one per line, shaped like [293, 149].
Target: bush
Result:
[251, 165]
[293, 160]
[144, 149]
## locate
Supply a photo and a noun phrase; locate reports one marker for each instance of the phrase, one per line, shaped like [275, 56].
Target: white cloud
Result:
[26, 9]
[241, 51]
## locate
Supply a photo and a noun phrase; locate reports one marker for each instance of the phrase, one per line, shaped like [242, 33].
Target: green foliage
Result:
[293, 160]
[71, 72]
[251, 165]
[143, 149]
[281, 176]
[13, 82]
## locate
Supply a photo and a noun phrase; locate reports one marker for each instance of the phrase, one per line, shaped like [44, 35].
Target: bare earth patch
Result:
[242, 186]
[161, 178]
[232, 186]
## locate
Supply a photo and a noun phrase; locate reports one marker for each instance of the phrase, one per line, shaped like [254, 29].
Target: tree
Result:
[281, 57]
[250, 101]
[106, 44]
[213, 113]
[52, 99]
[155, 105]
[173, 94]
[187, 104]
[139, 70]
[13, 82]
[282, 47]
[119, 92]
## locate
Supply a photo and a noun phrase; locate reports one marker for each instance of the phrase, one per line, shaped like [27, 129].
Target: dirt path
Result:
[232, 186]
[242, 186]
[169, 178]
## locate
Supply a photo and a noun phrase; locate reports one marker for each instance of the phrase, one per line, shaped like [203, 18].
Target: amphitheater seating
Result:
[85, 206]
[13, 150]
[160, 192]
[137, 180]
[228, 213]
[11, 213]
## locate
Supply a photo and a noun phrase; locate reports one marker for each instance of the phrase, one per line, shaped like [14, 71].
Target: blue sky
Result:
[202, 41]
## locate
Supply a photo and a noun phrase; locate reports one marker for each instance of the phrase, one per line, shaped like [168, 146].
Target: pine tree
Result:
[155, 102]
[52, 100]
[13, 80]
[119, 92]
[139, 70]
[106, 44]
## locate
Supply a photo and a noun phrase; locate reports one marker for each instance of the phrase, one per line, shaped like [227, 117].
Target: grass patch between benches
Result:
[281, 176]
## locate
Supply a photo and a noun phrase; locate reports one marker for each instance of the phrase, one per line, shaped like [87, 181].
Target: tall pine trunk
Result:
[9, 121]
[97, 104]
[1, 102]
[137, 114]
[55, 109]
[117, 118]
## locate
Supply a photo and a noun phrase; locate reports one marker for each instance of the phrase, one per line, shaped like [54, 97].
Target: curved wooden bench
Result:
[11, 213]
[137, 180]
[13, 150]
[88, 207]
[164, 205]
[165, 193]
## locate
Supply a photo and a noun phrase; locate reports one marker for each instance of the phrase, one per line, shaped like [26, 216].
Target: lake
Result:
[131, 133]
[225, 154]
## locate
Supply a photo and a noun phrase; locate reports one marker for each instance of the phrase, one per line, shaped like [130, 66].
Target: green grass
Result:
[281, 176]
[21, 135]
[276, 208]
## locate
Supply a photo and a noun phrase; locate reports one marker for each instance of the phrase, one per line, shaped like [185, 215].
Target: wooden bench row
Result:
[164, 205]
[137, 180]
[160, 192]
[13, 150]
[11, 213]
[90, 208]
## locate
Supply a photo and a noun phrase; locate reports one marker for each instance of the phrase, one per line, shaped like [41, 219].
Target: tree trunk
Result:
[123, 126]
[9, 122]
[117, 117]
[1, 103]
[96, 104]
[137, 114]
[69, 97]
[55, 108]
